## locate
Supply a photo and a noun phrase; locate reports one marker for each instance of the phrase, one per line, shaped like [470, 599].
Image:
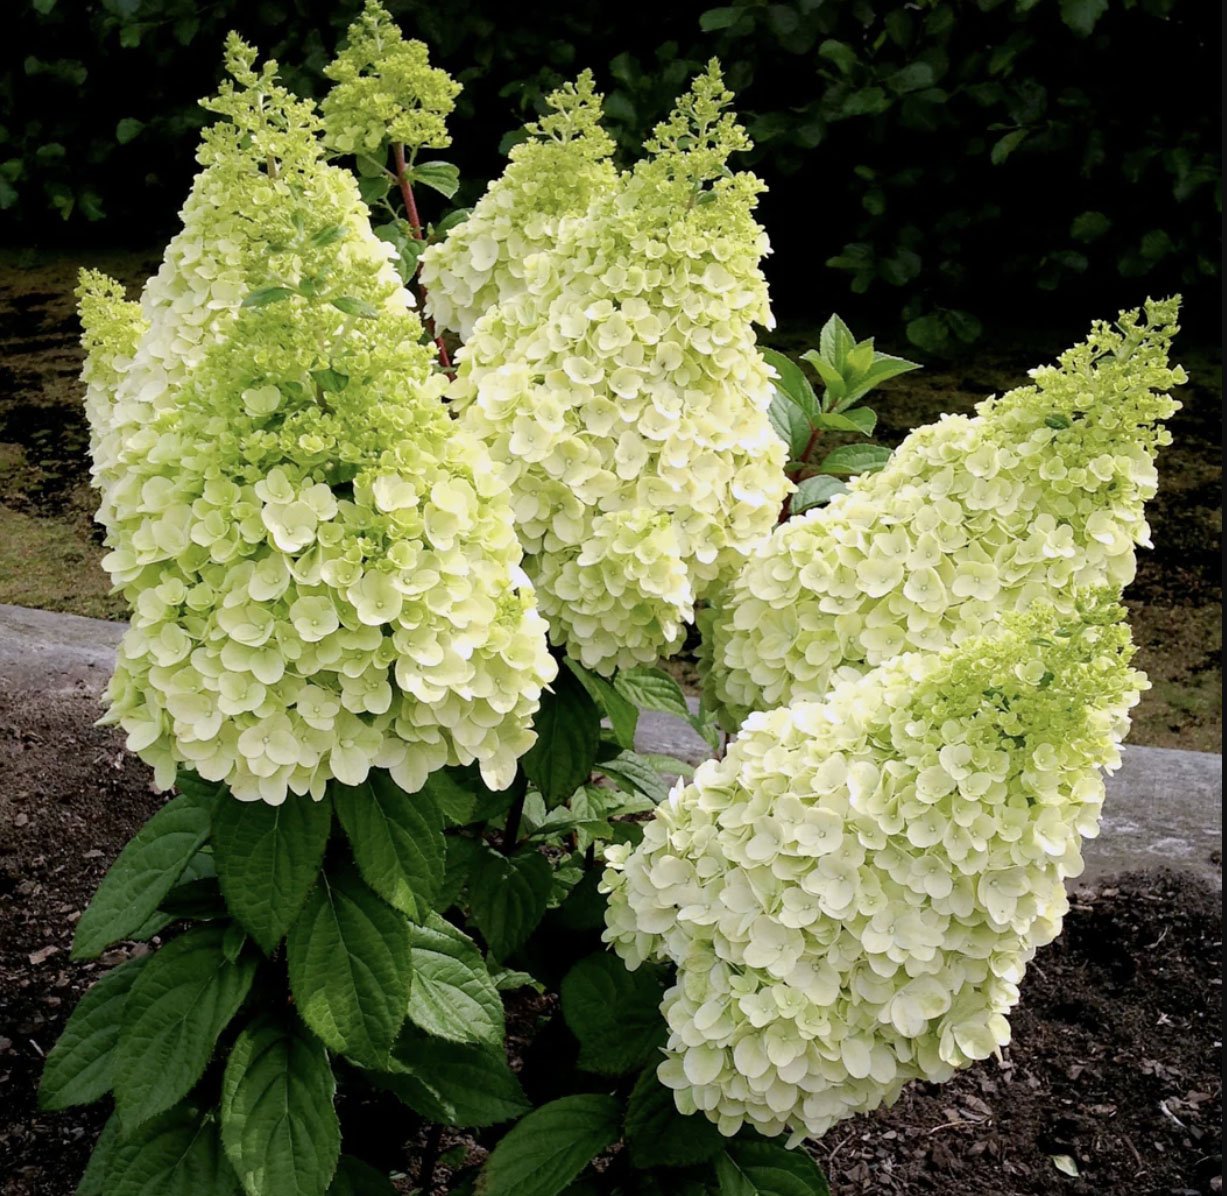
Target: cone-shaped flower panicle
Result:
[384, 91]
[323, 570]
[852, 894]
[1041, 492]
[623, 396]
[556, 173]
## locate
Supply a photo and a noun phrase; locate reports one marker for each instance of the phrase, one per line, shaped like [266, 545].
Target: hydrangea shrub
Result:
[393, 625]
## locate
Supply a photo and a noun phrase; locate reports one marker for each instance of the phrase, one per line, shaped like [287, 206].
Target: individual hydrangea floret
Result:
[1042, 491]
[323, 570]
[852, 894]
[385, 91]
[557, 172]
[624, 398]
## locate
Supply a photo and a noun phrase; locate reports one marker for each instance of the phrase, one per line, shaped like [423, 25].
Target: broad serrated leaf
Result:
[348, 957]
[653, 689]
[183, 998]
[328, 235]
[144, 873]
[658, 1135]
[94, 1181]
[851, 459]
[831, 375]
[79, 1067]
[397, 840]
[452, 1083]
[568, 727]
[267, 858]
[754, 1167]
[884, 367]
[454, 798]
[177, 1154]
[266, 295]
[632, 772]
[835, 341]
[615, 1014]
[1083, 15]
[546, 1150]
[452, 996]
[860, 421]
[622, 714]
[462, 856]
[330, 381]
[813, 492]
[279, 1128]
[790, 424]
[507, 897]
[453, 219]
[442, 177]
[356, 1178]
[792, 381]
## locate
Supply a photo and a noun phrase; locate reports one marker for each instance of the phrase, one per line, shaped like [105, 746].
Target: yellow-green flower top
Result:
[622, 394]
[851, 896]
[1043, 490]
[557, 172]
[385, 91]
[322, 568]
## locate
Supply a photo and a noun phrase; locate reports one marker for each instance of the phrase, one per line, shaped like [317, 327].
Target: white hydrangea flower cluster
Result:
[323, 570]
[1041, 492]
[852, 894]
[624, 399]
[556, 173]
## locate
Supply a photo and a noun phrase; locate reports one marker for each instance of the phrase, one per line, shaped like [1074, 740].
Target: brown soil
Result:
[1115, 1063]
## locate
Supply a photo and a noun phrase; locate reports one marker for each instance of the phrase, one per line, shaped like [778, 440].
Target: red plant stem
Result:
[815, 433]
[415, 227]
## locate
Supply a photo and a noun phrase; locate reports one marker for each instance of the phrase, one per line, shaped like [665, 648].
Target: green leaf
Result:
[80, 1065]
[653, 689]
[450, 1083]
[546, 1150]
[356, 1178]
[144, 873]
[127, 129]
[792, 381]
[452, 996]
[789, 423]
[508, 896]
[330, 234]
[657, 1135]
[373, 188]
[756, 1167]
[177, 1154]
[568, 727]
[615, 1014]
[266, 295]
[397, 840]
[1005, 146]
[832, 377]
[622, 714]
[442, 177]
[840, 53]
[267, 858]
[442, 227]
[279, 1128]
[1083, 15]
[813, 492]
[94, 1181]
[348, 957]
[861, 421]
[451, 796]
[330, 381]
[352, 306]
[182, 1000]
[462, 856]
[1089, 226]
[719, 18]
[884, 366]
[835, 341]
[852, 459]
[631, 771]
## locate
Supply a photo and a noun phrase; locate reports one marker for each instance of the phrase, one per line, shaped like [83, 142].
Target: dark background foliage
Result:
[955, 162]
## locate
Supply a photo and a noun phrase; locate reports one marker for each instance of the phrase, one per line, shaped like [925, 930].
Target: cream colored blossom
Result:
[322, 567]
[851, 896]
[1041, 492]
[624, 399]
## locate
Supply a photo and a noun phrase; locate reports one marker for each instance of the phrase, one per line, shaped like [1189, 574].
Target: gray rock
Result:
[1164, 806]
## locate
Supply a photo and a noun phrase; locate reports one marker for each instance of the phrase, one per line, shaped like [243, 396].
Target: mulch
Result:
[1114, 1072]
